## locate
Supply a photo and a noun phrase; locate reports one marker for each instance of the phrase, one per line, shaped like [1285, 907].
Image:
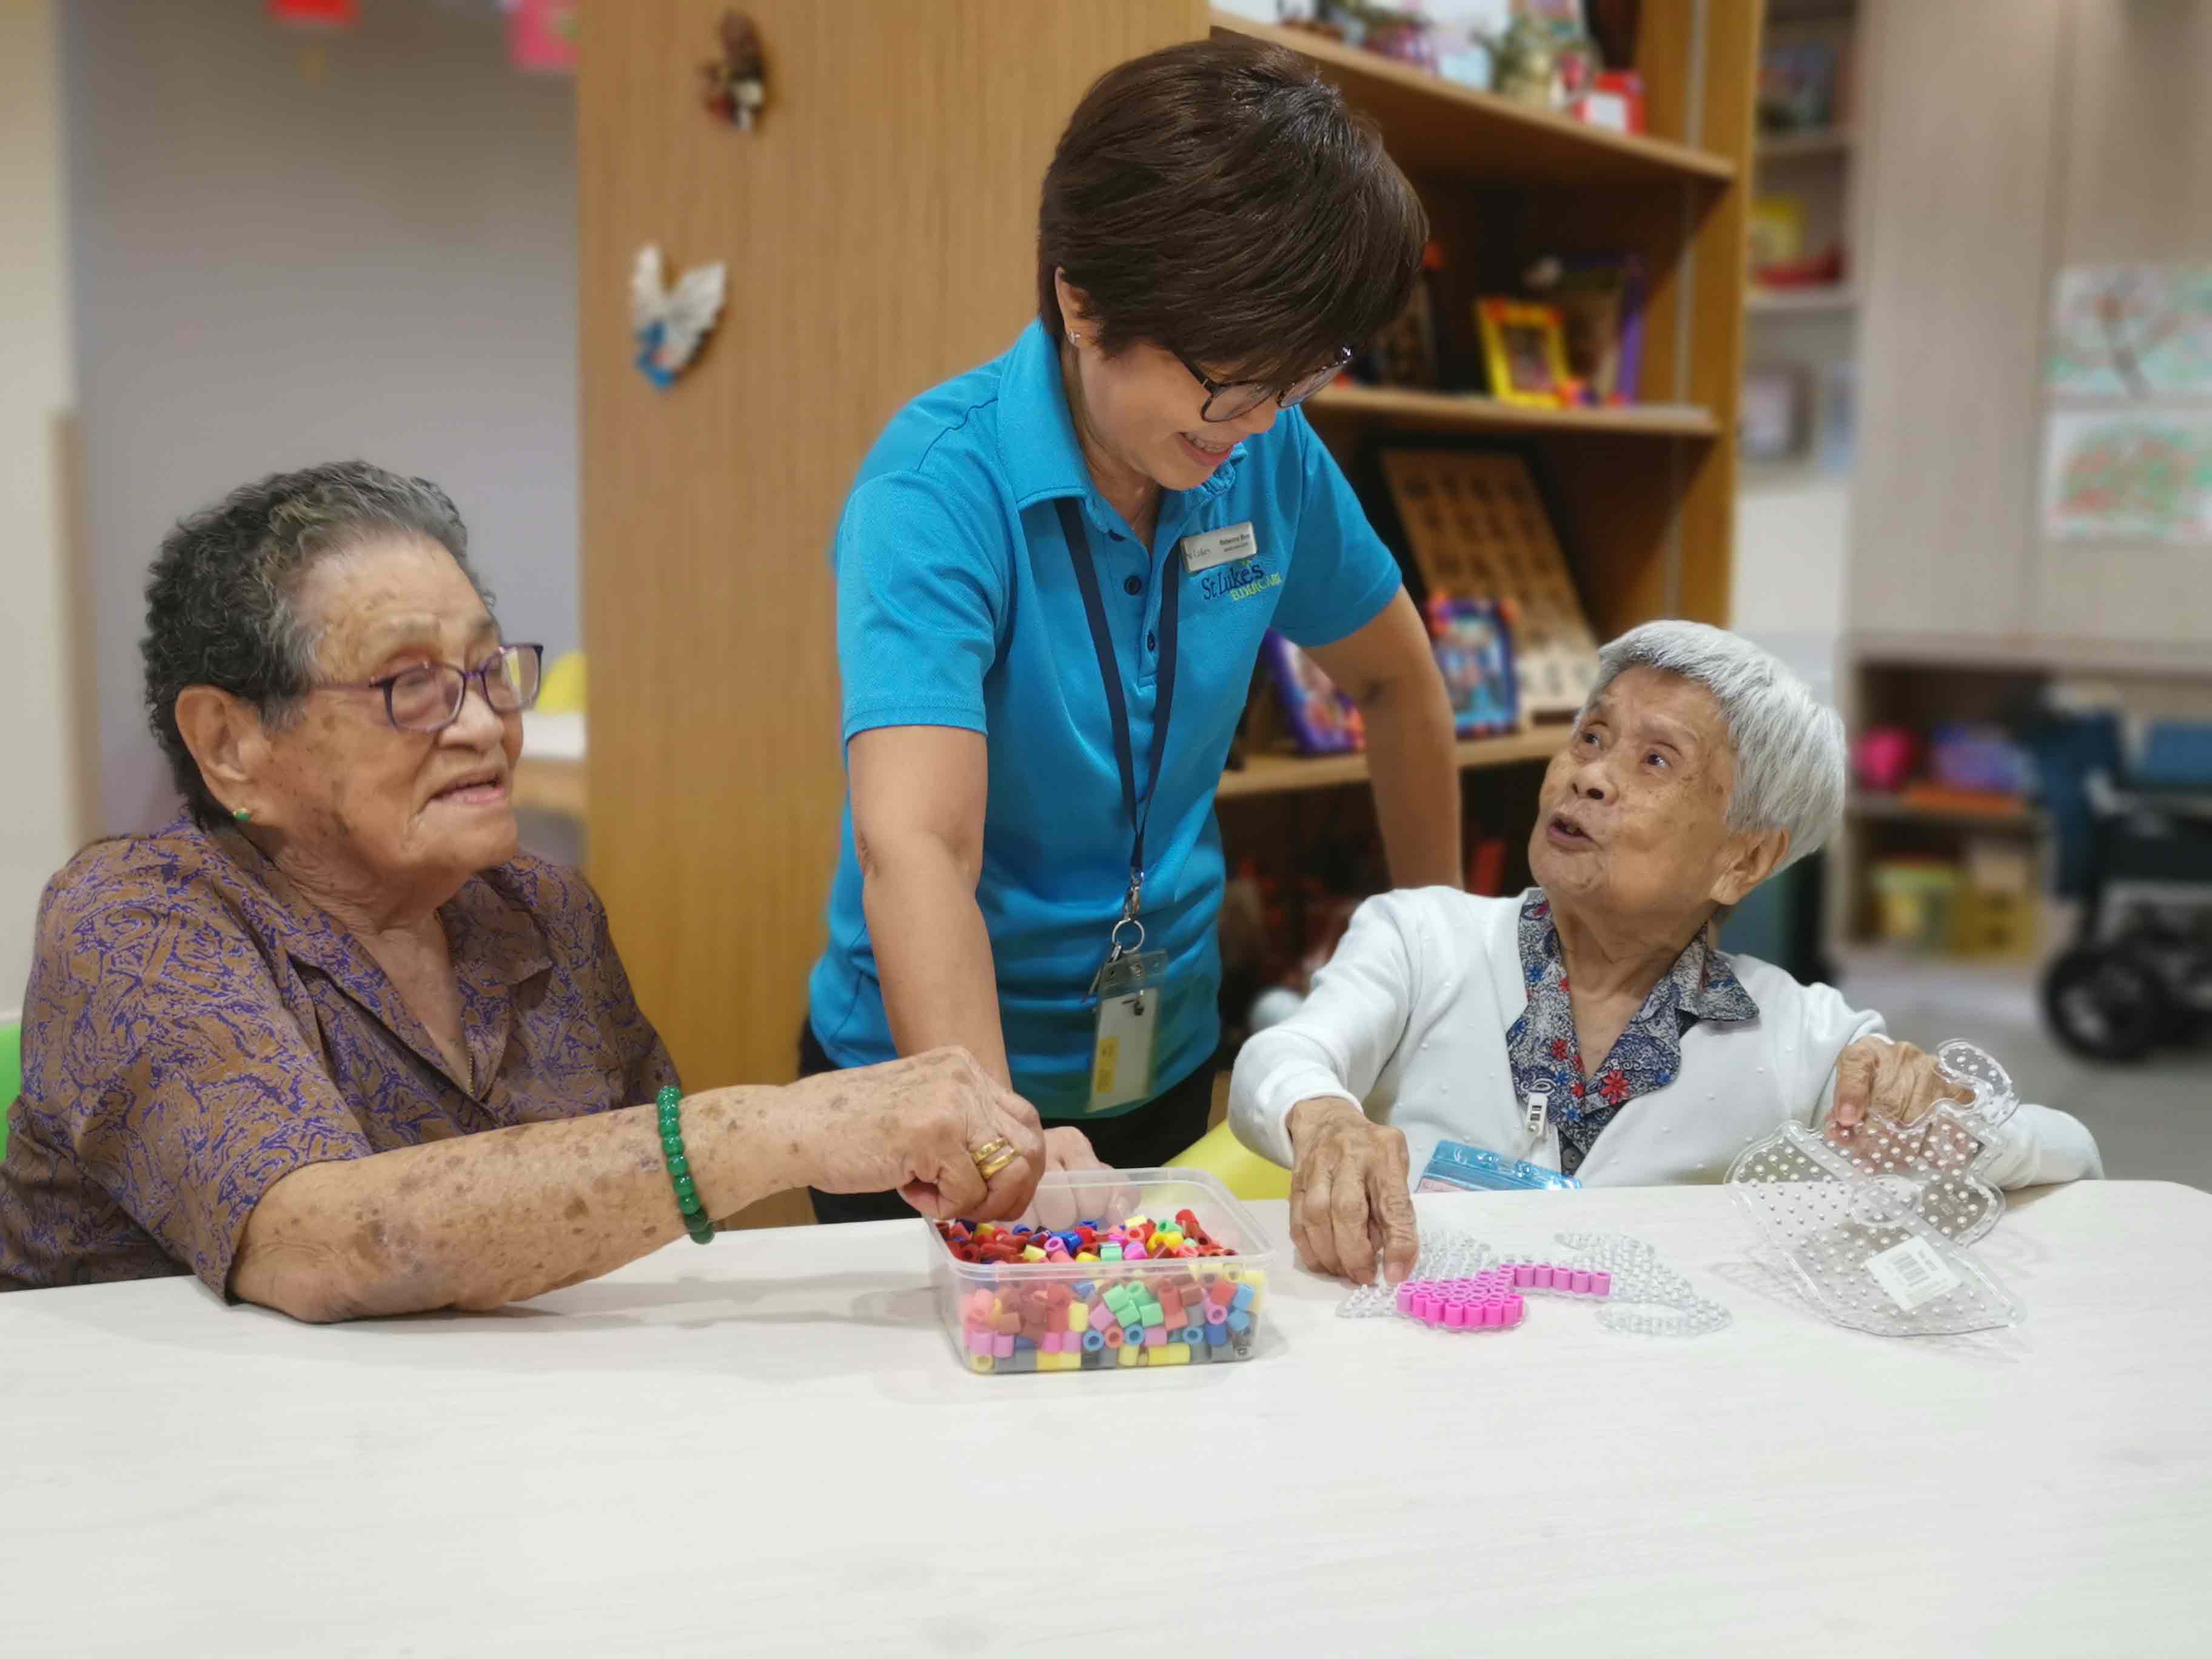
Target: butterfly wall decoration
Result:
[669, 325]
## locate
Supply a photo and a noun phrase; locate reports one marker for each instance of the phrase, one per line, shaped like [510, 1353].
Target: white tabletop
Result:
[767, 1446]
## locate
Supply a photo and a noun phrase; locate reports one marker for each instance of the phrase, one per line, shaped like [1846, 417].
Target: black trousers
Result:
[1141, 1139]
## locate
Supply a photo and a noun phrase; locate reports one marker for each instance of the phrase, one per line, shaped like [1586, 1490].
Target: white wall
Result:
[291, 248]
[2003, 140]
[1792, 535]
[40, 823]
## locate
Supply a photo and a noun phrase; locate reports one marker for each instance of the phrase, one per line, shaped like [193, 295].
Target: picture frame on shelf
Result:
[1524, 351]
[1473, 640]
[1322, 719]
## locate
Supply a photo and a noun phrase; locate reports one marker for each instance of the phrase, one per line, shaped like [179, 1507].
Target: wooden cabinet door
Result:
[878, 225]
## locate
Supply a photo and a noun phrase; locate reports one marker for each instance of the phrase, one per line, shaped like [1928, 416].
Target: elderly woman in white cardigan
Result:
[1591, 1025]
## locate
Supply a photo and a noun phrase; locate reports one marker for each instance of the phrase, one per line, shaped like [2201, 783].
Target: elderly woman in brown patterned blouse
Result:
[329, 1041]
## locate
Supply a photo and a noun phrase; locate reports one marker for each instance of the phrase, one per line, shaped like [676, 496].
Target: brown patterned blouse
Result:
[195, 1031]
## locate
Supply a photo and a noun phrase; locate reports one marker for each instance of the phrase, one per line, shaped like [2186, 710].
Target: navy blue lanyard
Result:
[1109, 674]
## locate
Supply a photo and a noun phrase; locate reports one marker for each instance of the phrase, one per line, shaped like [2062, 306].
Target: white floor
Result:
[2152, 1121]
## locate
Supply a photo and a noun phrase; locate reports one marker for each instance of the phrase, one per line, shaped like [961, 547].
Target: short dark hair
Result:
[219, 601]
[1218, 198]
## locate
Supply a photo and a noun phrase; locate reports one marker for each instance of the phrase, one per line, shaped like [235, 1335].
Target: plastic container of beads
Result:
[1156, 1313]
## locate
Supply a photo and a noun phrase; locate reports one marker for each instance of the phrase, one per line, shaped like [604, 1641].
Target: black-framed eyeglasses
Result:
[429, 698]
[1228, 400]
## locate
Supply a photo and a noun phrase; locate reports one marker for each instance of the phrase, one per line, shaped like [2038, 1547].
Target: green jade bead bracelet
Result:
[697, 1221]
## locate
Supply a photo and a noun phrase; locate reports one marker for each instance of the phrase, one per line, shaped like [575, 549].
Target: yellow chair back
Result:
[1245, 1173]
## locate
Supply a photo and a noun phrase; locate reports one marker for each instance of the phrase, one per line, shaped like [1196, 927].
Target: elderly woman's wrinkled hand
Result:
[1895, 1080]
[918, 1124]
[1349, 1203]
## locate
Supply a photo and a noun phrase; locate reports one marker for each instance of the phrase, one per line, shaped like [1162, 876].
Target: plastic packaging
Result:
[1022, 1316]
[1871, 1222]
[1453, 1168]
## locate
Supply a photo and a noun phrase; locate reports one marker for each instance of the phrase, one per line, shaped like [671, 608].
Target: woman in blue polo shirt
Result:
[1054, 575]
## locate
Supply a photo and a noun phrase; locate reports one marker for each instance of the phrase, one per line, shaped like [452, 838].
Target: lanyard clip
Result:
[1135, 900]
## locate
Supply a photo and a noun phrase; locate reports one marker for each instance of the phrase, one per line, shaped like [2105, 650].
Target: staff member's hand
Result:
[918, 1124]
[1896, 1080]
[1348, 1199]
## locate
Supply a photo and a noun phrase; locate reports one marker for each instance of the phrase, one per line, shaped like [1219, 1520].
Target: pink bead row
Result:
[1492, 1299]
[1568, 1281]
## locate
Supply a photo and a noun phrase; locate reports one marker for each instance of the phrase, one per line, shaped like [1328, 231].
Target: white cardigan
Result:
[1409, 1021]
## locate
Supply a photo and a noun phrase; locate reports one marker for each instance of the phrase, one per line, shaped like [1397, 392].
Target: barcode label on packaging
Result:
[1911, 1274]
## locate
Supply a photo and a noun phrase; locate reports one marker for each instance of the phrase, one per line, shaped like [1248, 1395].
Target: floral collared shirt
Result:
[1546, 1057]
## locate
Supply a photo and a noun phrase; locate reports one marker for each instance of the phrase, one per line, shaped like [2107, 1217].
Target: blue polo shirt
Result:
[958, 605]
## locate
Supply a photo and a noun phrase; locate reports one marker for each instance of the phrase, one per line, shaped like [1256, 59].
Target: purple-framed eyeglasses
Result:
[1227, 400]
[429, 698]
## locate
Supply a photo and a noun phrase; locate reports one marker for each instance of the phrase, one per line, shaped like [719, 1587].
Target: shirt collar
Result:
[494, 942]
[1702, 984]
[1037, 445]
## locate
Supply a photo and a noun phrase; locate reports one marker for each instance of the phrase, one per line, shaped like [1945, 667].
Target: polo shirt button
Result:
[1132, 585]
[1152, 640]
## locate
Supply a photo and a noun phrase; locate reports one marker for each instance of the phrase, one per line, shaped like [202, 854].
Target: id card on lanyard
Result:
[1130, 987]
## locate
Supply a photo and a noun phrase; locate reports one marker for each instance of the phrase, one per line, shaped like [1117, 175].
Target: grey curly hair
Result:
[220, 606]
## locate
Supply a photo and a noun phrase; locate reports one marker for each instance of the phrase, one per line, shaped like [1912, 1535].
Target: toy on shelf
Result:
[1600, 300]
[1979, 759]
[1403, 351]
[1473, 640]
[1322, 720]
[1884, 756]
[1797, 87]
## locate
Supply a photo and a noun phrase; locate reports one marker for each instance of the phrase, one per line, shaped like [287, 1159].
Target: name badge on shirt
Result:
[1128, 991]
[1223, 546]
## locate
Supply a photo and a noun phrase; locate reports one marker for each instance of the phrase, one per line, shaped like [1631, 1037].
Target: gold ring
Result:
[993, 1155]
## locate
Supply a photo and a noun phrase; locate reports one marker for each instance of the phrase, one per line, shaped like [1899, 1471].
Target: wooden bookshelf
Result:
[1468, 412]
[1283, 775]
[1999, 815]
[1789, 146]
[1826, 299]
[714, 802]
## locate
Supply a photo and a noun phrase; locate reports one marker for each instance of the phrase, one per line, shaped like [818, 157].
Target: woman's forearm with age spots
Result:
[508, 1214]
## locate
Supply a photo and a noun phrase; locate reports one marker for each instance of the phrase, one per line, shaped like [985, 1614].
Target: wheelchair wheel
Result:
[2105, 1004]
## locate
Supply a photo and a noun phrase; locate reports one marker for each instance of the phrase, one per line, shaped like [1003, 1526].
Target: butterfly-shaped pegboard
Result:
[1872, 1221]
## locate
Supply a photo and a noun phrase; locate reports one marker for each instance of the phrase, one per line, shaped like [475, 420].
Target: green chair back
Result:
[11, 1075]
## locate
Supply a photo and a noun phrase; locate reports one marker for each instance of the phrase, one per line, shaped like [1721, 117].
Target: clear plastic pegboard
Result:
[1646, 1297]
[1936, 1164]
[1443, 1256]
[1860, 1246]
